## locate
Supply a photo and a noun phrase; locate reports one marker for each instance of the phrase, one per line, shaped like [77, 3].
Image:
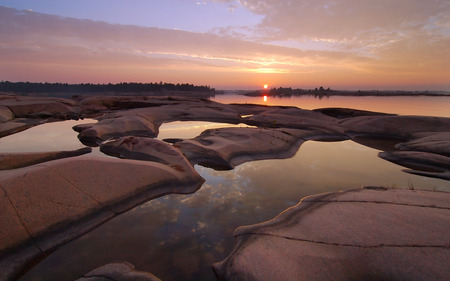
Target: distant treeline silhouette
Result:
[322, 92]
[30, 87]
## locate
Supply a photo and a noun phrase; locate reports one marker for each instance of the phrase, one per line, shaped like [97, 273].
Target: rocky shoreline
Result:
[51, 198]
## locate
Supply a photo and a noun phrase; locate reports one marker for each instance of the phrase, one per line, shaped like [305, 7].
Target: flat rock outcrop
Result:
[46, 205]
[433, 142]
[225, 148]
[46, 201]
[149, 149]
[9, 161]
[353, 235]
[420, 163]
[123, 271]
[40, 107]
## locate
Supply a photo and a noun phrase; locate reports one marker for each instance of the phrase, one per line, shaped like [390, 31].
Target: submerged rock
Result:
[351, 235]
[123, 271]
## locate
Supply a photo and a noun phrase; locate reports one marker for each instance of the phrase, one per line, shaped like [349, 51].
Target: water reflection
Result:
[55, 136]
[178, 237]
[410, 105]
[190, 129]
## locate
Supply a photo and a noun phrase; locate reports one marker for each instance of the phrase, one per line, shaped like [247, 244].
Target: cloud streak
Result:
[40, 47]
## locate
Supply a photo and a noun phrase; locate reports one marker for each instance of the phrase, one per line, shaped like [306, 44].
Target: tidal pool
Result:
[179, 237]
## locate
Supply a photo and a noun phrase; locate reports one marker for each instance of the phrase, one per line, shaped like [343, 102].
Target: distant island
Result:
[170, 89]
[322, 92]
[124, 88]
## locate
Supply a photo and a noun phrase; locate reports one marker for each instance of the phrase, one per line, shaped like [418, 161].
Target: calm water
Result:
[420, 105]
[179, 237]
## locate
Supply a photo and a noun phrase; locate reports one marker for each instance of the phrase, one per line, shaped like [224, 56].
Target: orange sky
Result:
[346, 44]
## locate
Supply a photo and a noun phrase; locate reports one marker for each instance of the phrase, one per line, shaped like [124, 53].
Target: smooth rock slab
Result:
[225, 148]
[353, 235]
[10, 161]
[49, 204]
[438, 143]
[118, 272]
[421, 163]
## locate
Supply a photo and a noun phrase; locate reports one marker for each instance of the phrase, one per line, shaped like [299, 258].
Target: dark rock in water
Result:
[342, 113]
[401, 127]
[422, 163]
[118, 272]
[434, 142]
[10, 161]
[172, 140]
[351, 235]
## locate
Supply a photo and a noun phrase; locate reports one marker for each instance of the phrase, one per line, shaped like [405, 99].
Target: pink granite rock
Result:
[351, 235]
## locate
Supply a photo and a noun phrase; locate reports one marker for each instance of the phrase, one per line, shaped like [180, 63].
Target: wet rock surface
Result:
[47, 201]
[352, 235]
[51, 203]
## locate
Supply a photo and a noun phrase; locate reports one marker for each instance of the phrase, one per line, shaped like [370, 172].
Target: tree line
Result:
[31, 87]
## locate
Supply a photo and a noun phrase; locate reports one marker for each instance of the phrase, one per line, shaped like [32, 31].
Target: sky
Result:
[229, 44]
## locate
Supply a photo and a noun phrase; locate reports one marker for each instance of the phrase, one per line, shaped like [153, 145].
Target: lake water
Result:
[411, 105]
[179, 237]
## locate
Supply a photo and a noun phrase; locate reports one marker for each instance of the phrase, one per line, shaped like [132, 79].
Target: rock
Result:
[5, 114]
[149, 149]
[15, 126]
[352, 235]
[127, 125]
[422, 163]
[10, 161]
[49, 204]
[438, 143]
[226, 148]
[342, 113]
[400, 127]
[118, 272]
[42, 107]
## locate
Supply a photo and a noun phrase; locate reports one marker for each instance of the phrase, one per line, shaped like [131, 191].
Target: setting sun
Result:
[266, 86]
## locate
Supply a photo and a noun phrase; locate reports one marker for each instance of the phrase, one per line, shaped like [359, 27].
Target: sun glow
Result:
[265, 86]
[265, 98]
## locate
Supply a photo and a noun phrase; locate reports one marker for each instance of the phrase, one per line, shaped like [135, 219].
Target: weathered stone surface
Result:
[123, 271]
[148, 149]
[60, 200]
[438, 143]
[226, 148]
[127, 125]
[10, 161]
[342, 113]
[5, 114]
[401, 127]
[40, 107]
[16, 125]
[352, 235]
[421, 163]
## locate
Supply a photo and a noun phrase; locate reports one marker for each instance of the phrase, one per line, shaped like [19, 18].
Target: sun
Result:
[265, 86]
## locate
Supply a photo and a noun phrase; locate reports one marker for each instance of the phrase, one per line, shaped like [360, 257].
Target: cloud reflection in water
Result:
[179, 237]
